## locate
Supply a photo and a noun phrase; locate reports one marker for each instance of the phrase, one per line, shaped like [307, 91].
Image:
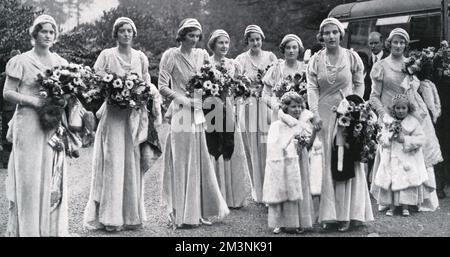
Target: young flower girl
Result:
[286, 184]
[401, 172]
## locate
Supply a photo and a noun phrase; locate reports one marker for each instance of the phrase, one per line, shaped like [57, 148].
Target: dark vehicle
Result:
[423, 19]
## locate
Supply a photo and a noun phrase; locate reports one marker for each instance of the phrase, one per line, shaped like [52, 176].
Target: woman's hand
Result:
[317, 123]
[37, 102]
[401, 138]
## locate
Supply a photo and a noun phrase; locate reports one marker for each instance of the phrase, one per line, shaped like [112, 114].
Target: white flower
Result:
[133, 77]
[43, 94]
[207, 85]
[129, 84]
[55, 77]
[108, 78]
[215, 92]
[65, 73]
[117, 83]
[132, 103]
[215, 87]
[77, 82]
[75, 74]
[140, 90]
[126, 93]
[119, 98]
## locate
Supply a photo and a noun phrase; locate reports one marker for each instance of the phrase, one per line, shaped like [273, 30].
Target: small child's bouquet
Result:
[395, 128]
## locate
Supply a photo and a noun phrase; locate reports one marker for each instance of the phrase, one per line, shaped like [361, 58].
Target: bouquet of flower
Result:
[442, 59]
[420, 63]
[257, 86]
[57, 85]
[235, 86]
[358, 124]
[303, 139]
[240, 87]
[395, 128]
[127, 91]
[296, 83]
[209, 82]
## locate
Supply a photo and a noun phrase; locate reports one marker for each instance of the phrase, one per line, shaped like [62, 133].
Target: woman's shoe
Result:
[405, 213]
[112, 228]
[390, 213]
[299, 231]
[344, 227]
[277, 231]
[325, 226]
[205, 222]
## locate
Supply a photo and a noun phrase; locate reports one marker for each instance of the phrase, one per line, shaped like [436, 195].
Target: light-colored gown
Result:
[401, 171]
[340, 200]
[286, 184]
[255, 123]
[273, 77]
[190, 190]
[233, 175]
[386, 83]
[32, 161]
[117, 187]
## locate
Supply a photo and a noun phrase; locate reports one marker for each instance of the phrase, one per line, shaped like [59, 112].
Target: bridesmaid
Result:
[232, 174]
[291, 47]
[331, 72]
[116, 199]
[388, 79]
[29, 187]
[255, 119]
[191, 193]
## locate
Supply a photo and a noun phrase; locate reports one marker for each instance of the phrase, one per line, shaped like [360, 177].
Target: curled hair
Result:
[411, 108]
[283, 47]
[320, 36]
[182, 34]
[388, 44]
[290, 97]
[247, 36]
[116, 28]
[38, 28]
[212, 44]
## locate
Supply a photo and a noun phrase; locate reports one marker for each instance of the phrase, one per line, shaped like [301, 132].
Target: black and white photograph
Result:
[224, 119]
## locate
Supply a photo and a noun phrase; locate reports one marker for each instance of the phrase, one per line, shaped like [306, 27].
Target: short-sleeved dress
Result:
[233, 175]
[340, 200]
[255, 123]
[32, 161]
[190, 189]
[386, 83]
[273, 77]
[116, 197]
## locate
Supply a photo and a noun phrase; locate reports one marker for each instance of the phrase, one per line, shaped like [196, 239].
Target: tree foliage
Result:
[61, 10]
[15, 22]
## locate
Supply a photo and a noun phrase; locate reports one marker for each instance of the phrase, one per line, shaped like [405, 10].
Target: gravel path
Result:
[248, 221]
